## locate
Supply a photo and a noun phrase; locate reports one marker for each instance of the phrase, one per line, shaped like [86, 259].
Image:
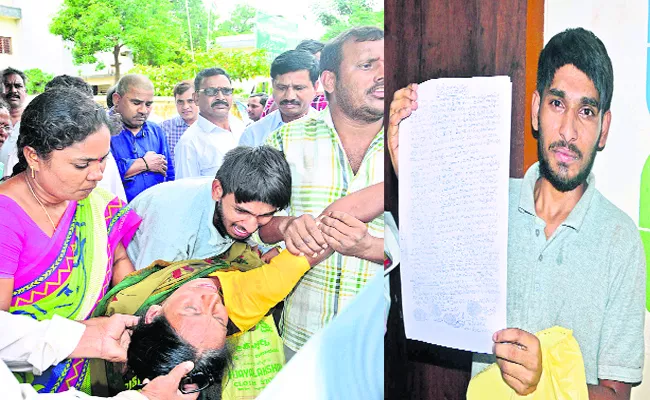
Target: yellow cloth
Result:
[249, 295]
[563, 372]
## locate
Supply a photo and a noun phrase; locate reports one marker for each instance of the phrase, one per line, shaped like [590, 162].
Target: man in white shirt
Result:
[294, 74]
[201, 149]
[30, 345]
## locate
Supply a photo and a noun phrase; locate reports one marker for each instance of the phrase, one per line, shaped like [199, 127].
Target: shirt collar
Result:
[142, 133]
[179, 121]
[276, 121]
[576, 216]
[207, 126]
[326, 116]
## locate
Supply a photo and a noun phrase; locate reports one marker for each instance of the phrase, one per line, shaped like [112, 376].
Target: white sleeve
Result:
[185, 160]
[30, 345]
[112, 181]
[12, 389]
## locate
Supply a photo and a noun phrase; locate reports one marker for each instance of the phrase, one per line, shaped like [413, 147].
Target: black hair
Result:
[311, 45]
[109, 96]
[582, 49]
[332, 54]
[206, 73]
[295, 60]
[56, 119]
[256, 174]
[12, 71]
[155, 349]
[182, 87]
[70, 81]
[263, 97]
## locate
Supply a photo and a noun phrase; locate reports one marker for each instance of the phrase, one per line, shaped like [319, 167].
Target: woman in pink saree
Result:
[62, 240]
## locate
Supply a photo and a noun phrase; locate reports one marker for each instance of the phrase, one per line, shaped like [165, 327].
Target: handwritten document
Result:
[453, 191]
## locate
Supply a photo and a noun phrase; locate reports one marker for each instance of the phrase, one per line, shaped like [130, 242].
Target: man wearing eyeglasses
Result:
[200, 151]
[15, 94]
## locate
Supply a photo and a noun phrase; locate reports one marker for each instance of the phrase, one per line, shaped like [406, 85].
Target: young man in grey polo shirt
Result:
[574, 259]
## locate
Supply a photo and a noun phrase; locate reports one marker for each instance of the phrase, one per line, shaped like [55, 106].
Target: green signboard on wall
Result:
[276, 34]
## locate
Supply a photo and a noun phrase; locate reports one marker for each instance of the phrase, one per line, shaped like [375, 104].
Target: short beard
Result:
[363, 113]
[217, 221]
[560, 183]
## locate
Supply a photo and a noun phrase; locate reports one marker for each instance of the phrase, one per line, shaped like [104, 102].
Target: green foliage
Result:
[149, 28]
[238, 64]
[340, 15]
[242, 21]
[198, 22]
[36, 80]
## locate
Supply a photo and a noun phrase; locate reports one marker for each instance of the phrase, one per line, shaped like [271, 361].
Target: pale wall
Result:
[11, 28]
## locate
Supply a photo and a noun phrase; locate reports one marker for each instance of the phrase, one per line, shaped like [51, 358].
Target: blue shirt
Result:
[127, 148]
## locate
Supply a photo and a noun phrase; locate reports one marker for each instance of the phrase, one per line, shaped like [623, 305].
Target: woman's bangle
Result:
[145, 163]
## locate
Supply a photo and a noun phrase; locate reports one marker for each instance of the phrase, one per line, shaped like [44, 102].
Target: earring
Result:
[33, 173]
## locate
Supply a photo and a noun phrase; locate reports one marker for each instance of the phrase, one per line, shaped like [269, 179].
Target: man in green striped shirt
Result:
[333, 153]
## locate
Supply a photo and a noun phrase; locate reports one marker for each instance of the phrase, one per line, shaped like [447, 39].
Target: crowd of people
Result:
[150, 246]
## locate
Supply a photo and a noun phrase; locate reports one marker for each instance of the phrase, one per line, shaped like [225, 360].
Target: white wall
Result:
[623, 28]
[40, 48]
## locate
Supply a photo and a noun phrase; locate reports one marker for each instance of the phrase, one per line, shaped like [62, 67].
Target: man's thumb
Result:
[181, 370]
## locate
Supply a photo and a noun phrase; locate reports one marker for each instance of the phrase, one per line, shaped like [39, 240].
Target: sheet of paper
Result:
[453, 205]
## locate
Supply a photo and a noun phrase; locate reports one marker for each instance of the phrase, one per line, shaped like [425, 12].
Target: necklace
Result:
[39, 202]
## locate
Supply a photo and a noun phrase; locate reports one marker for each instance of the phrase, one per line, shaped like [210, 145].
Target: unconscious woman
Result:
[63, 240]
[189, 308]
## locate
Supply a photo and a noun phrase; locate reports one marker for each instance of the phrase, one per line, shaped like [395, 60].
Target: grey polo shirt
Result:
[589, 276]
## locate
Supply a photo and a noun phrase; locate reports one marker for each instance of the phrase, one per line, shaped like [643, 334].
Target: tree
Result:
[198, 22]
[36, 80]
[340, 15]
[242, 21]
[149, 28]
[238, 64]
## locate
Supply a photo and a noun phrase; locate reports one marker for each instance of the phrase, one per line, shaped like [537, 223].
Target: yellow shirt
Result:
[249, 295]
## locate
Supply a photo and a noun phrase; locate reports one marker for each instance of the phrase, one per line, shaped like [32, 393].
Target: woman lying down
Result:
[188, 308]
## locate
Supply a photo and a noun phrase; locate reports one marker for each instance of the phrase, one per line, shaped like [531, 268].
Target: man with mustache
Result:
[333, 153]
[15, 94]
[294, 74]
[201, 149]
[140, 149]
[319, 102]
[574, 259]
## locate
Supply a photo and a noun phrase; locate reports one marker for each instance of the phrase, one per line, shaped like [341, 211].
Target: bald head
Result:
[133, 81]
[133, 99]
